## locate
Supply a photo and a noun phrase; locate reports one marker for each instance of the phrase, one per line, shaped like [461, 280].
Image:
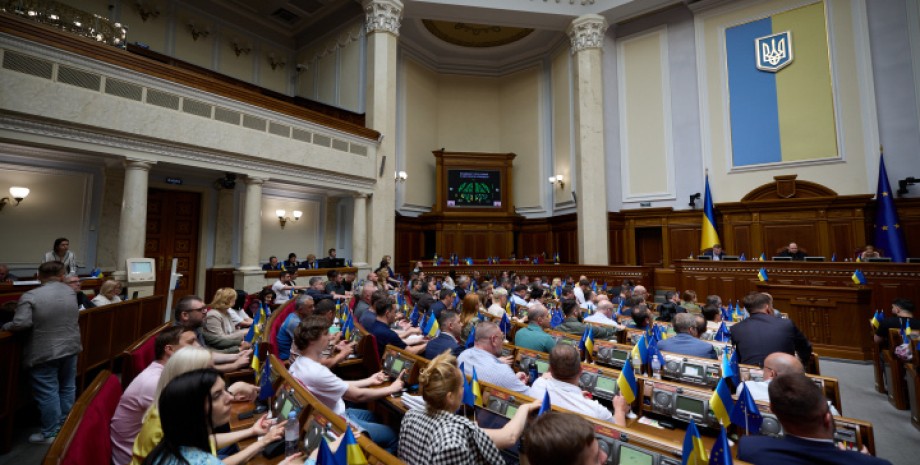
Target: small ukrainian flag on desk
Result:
[858, 277]
[762, 274]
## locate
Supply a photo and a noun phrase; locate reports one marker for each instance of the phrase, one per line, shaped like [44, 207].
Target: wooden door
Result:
[172, 232]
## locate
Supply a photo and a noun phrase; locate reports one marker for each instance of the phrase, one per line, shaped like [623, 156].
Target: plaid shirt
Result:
[444, 439]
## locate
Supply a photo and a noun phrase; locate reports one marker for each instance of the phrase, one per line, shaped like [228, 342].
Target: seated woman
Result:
[312, 337]
[383, 280]
[108, 293]
[218, 324]
[470, 309]
[869, 252]
[238, 311]
[191, 359]
[437, 436]
[264, 302]
[191, 406]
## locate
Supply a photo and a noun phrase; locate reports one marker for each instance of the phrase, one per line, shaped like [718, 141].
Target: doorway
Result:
[172, 232]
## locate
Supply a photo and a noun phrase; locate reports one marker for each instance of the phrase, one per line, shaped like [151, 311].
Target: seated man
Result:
[311, 338]
[808, 428]
[190, 315]
[445, 301]
[670, 307]
[272, 265]
[715, 252]
[628, 305]
[291, 264]
[792, 251]
[363, 304]
[137, 398]
[386, 315]
[641, 318]
[334, 283]
[317, 290]
[285, 288]
[641, 293]
[448, 339]
[563, 389]
[776, 364]
[368, 318]
[902, 313]
[484, 357]
[571, 324]
[688, 301]
[603, 315]
[686, 342]
[338, 349]
[303, 307]
[562, 439]
[534, 337]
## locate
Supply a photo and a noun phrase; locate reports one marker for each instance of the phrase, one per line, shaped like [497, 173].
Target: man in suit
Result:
[715, 252]
[448, 339]
[686, 342]
[762, 333]
[808, 428]
[272, 265]
[445, 298]
[793, 252]
[670, 307]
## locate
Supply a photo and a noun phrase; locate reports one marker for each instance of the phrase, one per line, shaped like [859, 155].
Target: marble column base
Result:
[249, 280]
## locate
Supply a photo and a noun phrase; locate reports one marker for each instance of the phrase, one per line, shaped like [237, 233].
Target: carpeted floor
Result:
[895, 438]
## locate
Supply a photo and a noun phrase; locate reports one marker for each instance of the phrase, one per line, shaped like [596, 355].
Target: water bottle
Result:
[637, 365]
[656, 368]
[291, 435]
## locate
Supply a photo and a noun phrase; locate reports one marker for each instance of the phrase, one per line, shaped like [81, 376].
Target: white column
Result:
[359, 232]
[587, 39]
[382, 27]
[249, 276]
[132, 227]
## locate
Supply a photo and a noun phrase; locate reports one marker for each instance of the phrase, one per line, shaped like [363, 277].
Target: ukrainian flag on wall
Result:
[787, 114]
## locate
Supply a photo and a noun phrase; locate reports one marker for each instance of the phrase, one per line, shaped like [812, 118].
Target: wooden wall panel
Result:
[741, 240]
[684, 241]
[778, 235]
[842, 240]
[649, 246]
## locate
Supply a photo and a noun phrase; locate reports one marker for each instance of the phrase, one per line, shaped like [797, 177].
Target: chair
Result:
[274, 324]
[139, 355]
[84, 438]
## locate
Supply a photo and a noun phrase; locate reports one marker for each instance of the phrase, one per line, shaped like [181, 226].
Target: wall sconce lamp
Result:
[557, 179]
[283, 218]
[902, 185]
[240, 47]
[198, 30]
[147, 10]
[18, 193]
[401, 176]
[275, 61]
[694, 198]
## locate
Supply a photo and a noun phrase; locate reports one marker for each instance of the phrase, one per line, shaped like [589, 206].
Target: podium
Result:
[833, 318]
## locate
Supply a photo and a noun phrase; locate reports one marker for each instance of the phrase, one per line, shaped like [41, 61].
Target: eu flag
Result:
[888, 235]
[709, 236]
[471, 339]
[721, 453]
[745, 412]
[723, 335]
[546, 406]
[266, 390]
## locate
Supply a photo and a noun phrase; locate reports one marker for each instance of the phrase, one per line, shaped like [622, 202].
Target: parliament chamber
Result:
[332, 148]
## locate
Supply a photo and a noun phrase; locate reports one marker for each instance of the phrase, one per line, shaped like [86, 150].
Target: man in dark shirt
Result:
[793, 252]
[334, 282]
[448, 339]
[291, 264]
[272, 264]
[445, 299]
[903, 310]
[808, 428]
[386, 315]
[670, 307]
[762, 333]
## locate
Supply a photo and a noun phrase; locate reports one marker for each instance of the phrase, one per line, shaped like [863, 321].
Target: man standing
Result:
[686, 342]
[534, 337]
[284, 288]
[762, 333]
[51, 312]
[448, 339]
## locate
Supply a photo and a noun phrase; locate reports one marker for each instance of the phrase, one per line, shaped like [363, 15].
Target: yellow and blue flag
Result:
[476, 389]
[546, 406]
[709, 236]
[762, 258]
[266, 390]
[722, 403]
[349, 452]
[888, 234]
[762, 274]
[640, 350]
[468, 397]
[587, 341]
[877, 318]
[907, 327]
[626, 383]
[431, 328]
[693, 452]
[858, 277]
[256, 364]
[721, 453]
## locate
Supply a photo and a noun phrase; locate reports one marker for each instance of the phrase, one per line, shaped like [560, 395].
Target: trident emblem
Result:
[774, 52]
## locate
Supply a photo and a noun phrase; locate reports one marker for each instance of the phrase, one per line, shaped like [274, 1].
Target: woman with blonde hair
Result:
[469, 314]
[218, 324]
[183, 361]
[108, 293]
[437, 436]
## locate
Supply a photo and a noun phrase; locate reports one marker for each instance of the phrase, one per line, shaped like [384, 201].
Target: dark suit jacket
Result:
[709, 253]
[269, 267]
[686, 344]
[790, 450]
[436, 308]
[438, 345]
[762, 334]
[795, 256]
[318, 295]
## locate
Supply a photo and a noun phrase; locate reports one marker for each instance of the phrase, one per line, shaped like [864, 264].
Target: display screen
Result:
[693, 370]
[620, 355]
[605, 384]
[630, 456]
[474, 188]
[142, 267]
[511, 411]
[542, 366]
[690, 405]
[397, 365]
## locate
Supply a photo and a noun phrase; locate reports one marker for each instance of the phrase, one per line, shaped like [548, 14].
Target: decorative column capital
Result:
[138, 164]
[360, 195]
[587, 32]
[254, 180]
[383, 16]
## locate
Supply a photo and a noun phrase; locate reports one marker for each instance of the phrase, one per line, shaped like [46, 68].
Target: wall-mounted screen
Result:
[474, 188]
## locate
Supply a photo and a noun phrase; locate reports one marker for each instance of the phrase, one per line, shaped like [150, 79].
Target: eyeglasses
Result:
[199, 309]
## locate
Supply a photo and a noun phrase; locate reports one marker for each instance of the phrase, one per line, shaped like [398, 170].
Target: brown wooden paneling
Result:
[172, 232]
[216, 278]
[843, 240]
[684, 241]
[778, 235]
[741, 239]
[649, 246]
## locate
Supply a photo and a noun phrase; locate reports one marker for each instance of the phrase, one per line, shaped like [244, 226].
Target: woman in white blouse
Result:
[61, 252]
[108, 293]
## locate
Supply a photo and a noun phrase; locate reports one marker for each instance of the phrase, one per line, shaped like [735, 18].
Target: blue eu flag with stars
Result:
[888, 235]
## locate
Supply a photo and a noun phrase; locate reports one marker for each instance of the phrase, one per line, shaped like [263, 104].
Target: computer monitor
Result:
[331, 263]
[628, 455]
[730, 258]
[782, 259]
[815, 259]
[879, 259]
[913, 260]
[141, 270]
[703, 257]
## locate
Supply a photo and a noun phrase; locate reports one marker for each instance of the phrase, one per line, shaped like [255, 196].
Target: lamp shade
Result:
[19, 192]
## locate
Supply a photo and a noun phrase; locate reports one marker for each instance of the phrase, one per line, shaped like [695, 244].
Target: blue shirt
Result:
[286, 335]
[385, 336]
[438, 345]
[491, 370]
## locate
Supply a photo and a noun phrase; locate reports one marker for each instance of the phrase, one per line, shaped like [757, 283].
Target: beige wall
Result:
[57, 206]
[333, 68]
[110, 217]
[560, 82]
[470, 114]
[301, 237]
